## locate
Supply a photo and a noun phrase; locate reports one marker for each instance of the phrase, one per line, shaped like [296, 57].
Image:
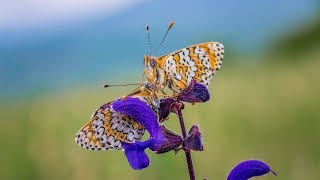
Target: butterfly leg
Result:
[149, 75]
[164, 94]
[151, 79]
[142, 78]
[154, 81]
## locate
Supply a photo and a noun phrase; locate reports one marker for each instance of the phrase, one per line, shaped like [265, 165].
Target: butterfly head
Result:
[150, 62]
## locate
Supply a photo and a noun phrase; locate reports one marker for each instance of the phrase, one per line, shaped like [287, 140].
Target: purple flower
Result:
[248, 169]
[160, 138]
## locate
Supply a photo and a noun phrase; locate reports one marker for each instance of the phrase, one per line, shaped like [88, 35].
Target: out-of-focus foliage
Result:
[263, 105]
[267, 112]
[304, 39]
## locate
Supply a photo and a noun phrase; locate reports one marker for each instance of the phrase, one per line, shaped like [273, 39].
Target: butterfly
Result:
[176, 70]
[108, 128]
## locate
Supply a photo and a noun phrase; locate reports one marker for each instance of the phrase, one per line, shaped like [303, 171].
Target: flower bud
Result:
[172, 141]
[194, 93]
[194, 139]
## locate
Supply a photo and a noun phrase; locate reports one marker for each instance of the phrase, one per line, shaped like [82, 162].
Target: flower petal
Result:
[248, 169]
[140, 111]
[156, 142]
[135, 154]
[194, 92]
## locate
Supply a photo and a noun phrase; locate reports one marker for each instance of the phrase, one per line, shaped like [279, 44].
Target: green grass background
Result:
[267, 111]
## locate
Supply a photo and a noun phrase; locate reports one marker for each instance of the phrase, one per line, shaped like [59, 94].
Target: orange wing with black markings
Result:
[199, 62]
[108, 128]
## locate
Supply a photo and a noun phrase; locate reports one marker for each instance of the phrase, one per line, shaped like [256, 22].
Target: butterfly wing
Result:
[199, 62]
[107, 129]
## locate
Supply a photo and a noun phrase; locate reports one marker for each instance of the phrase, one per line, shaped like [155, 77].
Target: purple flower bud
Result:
[168, 105]
[248, 169]
[194, 92]
[194, 139]
[165, 108]
[172, 141]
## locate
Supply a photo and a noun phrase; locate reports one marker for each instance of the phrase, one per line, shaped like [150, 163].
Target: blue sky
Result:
[245, 20]
[60, 43]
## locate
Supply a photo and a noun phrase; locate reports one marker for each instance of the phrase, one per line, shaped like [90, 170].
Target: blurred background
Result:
[55, 55]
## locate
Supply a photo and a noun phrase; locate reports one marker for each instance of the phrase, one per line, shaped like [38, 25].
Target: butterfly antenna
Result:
[113, 85]
[149, 41]
[169, 27]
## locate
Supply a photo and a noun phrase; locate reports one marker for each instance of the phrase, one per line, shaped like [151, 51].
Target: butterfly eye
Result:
[152, 63]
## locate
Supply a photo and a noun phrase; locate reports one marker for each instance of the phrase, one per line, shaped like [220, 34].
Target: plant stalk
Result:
[187, 151]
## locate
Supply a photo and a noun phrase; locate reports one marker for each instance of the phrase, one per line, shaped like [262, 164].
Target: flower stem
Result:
[187, 151]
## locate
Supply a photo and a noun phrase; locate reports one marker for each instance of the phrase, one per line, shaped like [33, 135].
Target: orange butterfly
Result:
[176, 70]
[108, 128]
